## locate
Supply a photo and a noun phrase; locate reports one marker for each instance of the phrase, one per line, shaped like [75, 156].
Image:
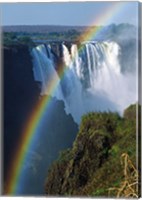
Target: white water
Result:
[45, 72]
[93, 80]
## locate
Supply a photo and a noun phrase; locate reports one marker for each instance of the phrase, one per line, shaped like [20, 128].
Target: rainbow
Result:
[31, 131]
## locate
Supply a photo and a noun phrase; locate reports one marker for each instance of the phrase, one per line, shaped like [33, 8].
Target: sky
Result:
[68, 13]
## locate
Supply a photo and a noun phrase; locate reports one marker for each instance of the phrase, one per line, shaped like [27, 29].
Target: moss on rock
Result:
[92, 166]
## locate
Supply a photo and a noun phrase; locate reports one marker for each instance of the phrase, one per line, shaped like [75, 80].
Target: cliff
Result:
[92, 166]
[20, 94]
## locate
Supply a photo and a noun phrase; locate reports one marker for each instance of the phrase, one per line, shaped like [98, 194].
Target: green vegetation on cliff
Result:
[93, 164]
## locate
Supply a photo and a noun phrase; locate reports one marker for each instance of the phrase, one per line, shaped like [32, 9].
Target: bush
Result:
[25, 40]
[128, 187]
[11, 39]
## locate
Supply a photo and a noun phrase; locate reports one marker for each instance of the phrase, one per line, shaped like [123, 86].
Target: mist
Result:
[100, 77]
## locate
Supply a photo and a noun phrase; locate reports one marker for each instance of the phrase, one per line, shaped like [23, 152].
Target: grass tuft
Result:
[129, 185]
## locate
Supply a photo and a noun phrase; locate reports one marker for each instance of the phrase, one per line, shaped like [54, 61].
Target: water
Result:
[45, 72]
[93, 79]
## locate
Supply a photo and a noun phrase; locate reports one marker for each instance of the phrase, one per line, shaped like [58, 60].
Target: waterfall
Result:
[66, 56]
[45, 72]
[75, 59]
[92, 81]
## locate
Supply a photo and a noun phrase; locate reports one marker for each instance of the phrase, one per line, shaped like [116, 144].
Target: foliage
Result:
[98, 192]
[25, 40]
[9, 39]
[92, 166]
[62, 35]
[22, 38]
[129, 185]
[12, 39]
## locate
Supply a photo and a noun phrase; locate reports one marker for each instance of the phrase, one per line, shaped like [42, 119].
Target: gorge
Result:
[91, 79]
[99, 75]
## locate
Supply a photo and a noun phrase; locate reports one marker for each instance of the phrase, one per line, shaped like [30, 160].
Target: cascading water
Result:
[44, 70]
[76, 60]
[92, 81]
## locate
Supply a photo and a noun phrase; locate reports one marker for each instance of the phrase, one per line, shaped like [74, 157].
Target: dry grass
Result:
[129, 186]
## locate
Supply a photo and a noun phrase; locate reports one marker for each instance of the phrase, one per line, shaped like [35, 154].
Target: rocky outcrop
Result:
[21, 94]
[93, 166]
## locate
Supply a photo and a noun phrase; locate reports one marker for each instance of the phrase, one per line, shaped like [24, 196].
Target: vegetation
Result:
[12, 39]
[129, 186]
[63, 35]
[92, 167]
[22, 38]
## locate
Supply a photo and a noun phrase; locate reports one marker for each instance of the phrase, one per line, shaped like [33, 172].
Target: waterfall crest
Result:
[92, 81]
[44, 70]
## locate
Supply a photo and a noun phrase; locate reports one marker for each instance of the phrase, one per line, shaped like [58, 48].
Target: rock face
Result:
[57, 134]
[21, 94]
[93, 166]
[20, 91]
